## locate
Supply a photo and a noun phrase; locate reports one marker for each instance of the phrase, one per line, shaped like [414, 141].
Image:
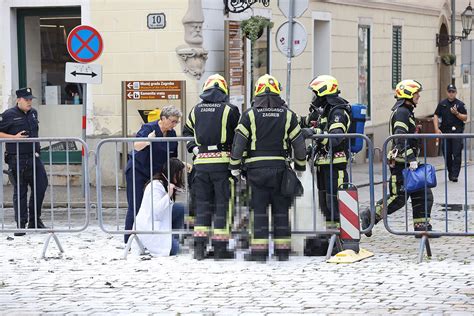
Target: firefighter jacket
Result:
[335, 119]
[266, 131]
[402, 121]
[212, 123]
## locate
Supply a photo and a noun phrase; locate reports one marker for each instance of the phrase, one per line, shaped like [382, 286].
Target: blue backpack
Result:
[358, 114]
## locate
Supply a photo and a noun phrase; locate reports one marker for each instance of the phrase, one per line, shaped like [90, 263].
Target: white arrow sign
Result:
[83, 73]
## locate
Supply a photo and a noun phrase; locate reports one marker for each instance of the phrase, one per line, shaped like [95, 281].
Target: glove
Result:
[235, 173]
[413, 165]
[196, 151]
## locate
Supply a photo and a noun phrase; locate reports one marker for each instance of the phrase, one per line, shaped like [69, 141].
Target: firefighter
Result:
[266, 131]
[332, 114]
[402, 121]
[212, 123]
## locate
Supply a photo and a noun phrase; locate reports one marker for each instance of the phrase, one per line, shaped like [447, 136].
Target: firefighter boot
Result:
[365, 220]
[424, 227]
[200, 244]
[257, 255]
[221, 251]
[282, 254]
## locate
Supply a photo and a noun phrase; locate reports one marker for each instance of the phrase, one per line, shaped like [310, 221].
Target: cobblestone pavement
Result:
[91, 278]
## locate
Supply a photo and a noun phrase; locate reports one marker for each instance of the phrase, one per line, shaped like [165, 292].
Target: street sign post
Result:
[85, 45]
[83, 73]
[299, 7]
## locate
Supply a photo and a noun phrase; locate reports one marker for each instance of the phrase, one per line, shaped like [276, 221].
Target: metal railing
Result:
[448, 229]
[62, 218]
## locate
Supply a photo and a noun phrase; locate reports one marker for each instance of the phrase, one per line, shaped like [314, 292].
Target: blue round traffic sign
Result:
[84, 44]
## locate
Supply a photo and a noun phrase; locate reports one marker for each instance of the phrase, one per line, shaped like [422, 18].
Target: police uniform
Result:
[403, 152]
[330, 154]
[450, 124]
[266, 131]
[22, 160]
[142, 168]
[212, 123]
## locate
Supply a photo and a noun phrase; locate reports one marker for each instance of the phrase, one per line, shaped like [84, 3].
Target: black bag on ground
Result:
[290, 184]
[317, 246]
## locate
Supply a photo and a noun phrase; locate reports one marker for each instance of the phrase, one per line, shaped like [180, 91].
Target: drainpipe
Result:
[453, 43]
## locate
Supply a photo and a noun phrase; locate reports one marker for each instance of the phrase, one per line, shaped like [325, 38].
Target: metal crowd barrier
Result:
[61, 216]
[335, 232]
[118, 213]
[437, 232]
[111, 220]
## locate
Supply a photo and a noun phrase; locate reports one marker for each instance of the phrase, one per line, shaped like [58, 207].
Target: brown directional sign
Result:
[153, 90]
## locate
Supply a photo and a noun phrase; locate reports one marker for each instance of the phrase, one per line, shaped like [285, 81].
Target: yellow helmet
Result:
[407, 88]
[216, 81]
[324, 85]
[267, 84]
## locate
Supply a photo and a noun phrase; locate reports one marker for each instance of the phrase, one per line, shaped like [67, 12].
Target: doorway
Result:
[443, 70]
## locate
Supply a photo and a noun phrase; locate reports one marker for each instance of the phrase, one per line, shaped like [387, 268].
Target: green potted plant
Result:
[448, 59]
[254, 26]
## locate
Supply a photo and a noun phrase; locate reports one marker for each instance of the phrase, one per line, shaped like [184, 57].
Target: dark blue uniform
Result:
[22, 157]
[142, 168]
[450, 124]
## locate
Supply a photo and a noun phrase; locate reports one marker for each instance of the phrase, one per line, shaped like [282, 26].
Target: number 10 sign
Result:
[156, 21]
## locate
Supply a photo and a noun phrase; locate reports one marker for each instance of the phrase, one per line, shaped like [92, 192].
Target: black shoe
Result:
[39, 223]
[365, 221]
[200, 245]
[258, 256]
[424, 227]
[22, 225]
[282, 254]
[454, 179]
[221, 251]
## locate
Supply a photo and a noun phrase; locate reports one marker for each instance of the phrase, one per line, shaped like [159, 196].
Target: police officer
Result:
[20, 122]
[402, 121]
[332, 114]
[266, 132]
[137, 171]
[452, 114]
[212, 123]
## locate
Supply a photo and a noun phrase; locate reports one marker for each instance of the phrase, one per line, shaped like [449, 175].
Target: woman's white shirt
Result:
[158, 220]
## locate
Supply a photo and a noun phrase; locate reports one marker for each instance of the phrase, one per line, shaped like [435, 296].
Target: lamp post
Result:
[466, 21]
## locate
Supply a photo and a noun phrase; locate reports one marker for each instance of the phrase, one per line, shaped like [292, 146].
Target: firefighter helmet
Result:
[324, 85]
[215, 81]
[407, 88]
[267, 84]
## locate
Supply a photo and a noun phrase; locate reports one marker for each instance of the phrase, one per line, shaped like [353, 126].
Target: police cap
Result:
[24, 93]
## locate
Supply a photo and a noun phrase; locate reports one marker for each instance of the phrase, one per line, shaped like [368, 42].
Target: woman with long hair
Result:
[159, 212]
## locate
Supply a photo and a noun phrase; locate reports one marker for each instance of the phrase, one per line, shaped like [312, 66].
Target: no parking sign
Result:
[84, 44]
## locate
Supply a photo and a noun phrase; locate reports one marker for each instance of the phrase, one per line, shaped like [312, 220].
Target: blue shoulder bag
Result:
[415, 180]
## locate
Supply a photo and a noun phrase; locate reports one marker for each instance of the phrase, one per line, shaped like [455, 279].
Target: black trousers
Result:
[396, 200]
[265, 185]
[328, 182]
[37, 181]
[214, 194]
[453, 155]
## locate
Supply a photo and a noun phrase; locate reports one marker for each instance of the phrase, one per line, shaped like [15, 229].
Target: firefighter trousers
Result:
[214, 194]
[421, 205]
[328, 181]
[265, 186]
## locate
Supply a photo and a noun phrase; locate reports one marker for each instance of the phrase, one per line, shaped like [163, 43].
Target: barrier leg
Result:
[332, 243]
[425, 242]
[46, 244]
[129, 245]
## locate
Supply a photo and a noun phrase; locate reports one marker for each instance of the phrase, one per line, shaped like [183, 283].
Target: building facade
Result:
[367, 45]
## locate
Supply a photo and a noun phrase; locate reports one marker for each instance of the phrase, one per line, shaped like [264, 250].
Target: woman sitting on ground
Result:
[163, 214]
